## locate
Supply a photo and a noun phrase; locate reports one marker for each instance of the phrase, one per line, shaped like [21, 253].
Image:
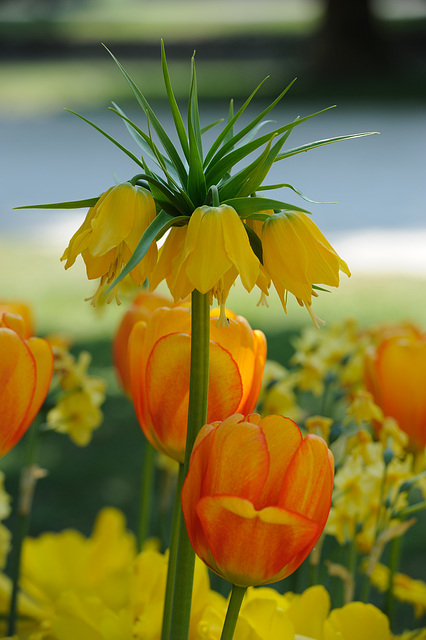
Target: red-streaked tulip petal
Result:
[283, 438]
[142, 308]
[239, 461]
[259, 366]
[17, 385]
[308, 482]
[167, 380]
[43, 356]
[250, 547]
[238, 339]
[137, 355]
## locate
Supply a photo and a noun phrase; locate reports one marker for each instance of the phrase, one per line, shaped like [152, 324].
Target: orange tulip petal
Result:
[17, 385]
[283, 439]
[308, 482]
[168, 370]
[137, 355]
[249, 403]
[43, 356]
[236, 447]
[250, 547]
[401, 373]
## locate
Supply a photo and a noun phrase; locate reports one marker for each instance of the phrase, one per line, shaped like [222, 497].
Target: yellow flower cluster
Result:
[77, 410]
[367, 492]
[100, 588]
[97, 587]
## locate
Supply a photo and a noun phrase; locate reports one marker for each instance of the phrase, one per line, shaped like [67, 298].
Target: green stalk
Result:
[146, 494]
[171, 570]
[234, 606]
[28, 478]
[197, 417]
[394, 557]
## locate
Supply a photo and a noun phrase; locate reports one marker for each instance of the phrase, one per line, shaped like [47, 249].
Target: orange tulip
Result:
[159, 357]
[395, 374]
[26, 368]
[142, 308]
[256, 497]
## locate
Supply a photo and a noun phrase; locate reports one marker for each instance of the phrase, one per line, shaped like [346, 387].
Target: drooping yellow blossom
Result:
[110, 234]
[208, 255]
[297, 256]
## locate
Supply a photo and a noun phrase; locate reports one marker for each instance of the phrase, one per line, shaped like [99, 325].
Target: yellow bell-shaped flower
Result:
[297, 256]
[207, 255]
[110, 234]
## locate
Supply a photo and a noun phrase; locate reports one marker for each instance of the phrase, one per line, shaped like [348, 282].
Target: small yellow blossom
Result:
[320, 426]
[363, 408]
[77, 411]
[110, 234]
[77, 415]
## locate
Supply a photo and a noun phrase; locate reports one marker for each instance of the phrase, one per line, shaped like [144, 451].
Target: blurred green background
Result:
[357, 52]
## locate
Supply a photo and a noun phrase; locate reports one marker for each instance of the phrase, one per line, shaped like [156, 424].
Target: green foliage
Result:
[184, 179]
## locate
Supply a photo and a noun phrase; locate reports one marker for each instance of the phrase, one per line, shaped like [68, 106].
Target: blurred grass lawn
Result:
[58, 296]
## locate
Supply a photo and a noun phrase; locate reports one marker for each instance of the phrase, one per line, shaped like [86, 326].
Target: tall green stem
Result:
[29, 476]
[197, 416]
[234, 606]
[146, 494]
[171, 570]
[394, 557]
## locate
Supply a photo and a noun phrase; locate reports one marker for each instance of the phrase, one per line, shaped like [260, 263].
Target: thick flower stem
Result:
[171, 571]
[29, 476]
[197, 417]
[234, 606]
[146, 494]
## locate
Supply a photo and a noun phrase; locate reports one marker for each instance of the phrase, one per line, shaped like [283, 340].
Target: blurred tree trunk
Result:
[350, 39]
